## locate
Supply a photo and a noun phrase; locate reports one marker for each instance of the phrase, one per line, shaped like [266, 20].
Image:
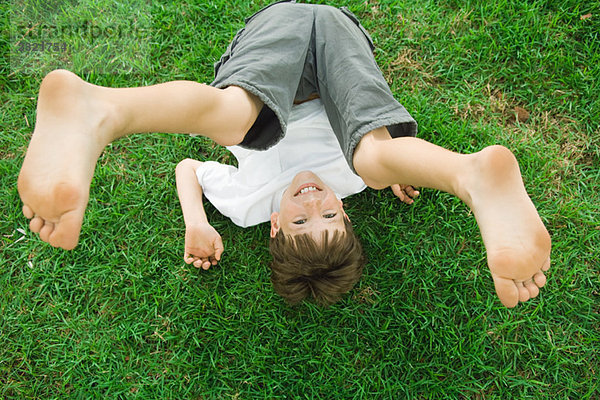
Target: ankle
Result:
[110, 123]
[464, 184]
[106, 117]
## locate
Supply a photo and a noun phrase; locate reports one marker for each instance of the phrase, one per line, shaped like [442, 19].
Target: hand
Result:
[203, 246]
[405, 193]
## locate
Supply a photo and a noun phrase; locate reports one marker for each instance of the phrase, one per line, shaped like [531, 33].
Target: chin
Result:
[305, 175]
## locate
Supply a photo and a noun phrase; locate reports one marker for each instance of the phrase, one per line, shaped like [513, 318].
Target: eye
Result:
[299, 222]
[329, 215]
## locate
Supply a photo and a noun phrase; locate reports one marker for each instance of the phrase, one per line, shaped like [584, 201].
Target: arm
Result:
[203, 245]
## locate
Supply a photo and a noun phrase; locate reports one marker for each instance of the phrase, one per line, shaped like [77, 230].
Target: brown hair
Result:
[302, 268]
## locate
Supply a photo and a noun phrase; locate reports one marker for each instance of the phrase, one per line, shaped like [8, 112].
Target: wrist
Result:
[196, 223]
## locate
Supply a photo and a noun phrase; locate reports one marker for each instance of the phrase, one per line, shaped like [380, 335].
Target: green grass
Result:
[123, 317]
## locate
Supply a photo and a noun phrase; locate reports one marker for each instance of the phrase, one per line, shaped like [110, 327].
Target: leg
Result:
[490, 183]
[76, 120]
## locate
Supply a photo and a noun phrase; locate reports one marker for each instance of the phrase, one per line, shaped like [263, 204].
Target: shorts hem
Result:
[266, 101]
[356, 137]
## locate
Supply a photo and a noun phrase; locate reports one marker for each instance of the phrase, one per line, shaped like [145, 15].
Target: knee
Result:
[238, 111]
[231, 137]
[366, 162]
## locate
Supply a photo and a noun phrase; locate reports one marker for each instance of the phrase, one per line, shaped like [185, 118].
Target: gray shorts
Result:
[288, 52]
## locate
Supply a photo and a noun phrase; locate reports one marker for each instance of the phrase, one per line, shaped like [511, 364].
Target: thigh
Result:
[356, 96]
[266, 58]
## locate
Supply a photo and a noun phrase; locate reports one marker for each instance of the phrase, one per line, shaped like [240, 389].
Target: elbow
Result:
[185, 165]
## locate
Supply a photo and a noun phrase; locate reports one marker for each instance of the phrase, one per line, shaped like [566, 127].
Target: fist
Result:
[203, 246]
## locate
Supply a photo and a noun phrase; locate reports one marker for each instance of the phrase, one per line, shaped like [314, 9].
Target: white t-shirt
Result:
[250, 193]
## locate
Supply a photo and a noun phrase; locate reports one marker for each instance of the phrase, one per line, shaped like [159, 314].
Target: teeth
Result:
[308, 189]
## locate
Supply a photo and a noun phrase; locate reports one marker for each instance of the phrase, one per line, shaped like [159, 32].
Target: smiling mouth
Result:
[306, 188]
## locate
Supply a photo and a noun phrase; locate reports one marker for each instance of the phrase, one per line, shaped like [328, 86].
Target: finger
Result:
[409, 190]
[398, 192]
[407, 199]
[405, 196]
[188, 257]
[219, 248]
[201, 263]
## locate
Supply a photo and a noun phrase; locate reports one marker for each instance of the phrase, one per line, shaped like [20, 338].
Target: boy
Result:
[286, 53]
[310, 265]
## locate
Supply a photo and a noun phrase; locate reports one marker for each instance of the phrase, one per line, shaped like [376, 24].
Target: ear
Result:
[344, 212]
[274, 224]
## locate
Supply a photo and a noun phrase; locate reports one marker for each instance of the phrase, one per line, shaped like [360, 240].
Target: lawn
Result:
[122, 316]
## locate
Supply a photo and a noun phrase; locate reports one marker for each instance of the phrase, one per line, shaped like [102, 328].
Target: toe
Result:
[539, 279]
[523, 292]
[532, 288]
[46, 230]
[27, 212]
[36, 224]
[66, 233]
[546, 265]
[507, 291]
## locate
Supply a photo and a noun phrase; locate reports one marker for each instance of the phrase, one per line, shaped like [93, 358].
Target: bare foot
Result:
[516, 241]
[69, 136]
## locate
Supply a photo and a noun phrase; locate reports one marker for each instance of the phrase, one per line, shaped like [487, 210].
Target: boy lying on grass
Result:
[355, 134]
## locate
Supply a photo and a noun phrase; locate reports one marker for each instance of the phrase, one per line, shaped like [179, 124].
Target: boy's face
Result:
[308, 206]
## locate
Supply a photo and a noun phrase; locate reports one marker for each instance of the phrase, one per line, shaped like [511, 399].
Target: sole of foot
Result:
[59, 164]
[516, 240]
